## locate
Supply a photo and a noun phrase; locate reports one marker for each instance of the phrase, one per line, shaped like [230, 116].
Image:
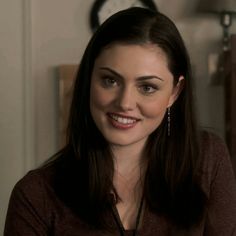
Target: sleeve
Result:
[221, 213]
[26, 213]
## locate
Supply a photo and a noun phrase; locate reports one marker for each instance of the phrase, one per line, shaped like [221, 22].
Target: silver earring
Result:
[168, 121]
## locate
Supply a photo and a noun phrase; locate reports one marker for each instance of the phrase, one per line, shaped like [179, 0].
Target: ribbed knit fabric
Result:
[35, 210]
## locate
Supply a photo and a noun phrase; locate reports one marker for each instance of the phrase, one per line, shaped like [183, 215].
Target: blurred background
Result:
[36, 37]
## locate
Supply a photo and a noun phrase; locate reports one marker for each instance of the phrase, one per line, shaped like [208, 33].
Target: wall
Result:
[36, 37]
[14, 130]
[60, 32]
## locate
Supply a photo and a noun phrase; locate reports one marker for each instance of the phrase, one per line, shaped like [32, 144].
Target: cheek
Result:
[98, 99]
[155, 109]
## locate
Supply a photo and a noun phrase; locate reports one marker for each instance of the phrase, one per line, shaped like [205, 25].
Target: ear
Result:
[176, 91]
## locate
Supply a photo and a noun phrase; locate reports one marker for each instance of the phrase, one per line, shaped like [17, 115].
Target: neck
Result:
[128, 179]
[127, 158]
[130, 167]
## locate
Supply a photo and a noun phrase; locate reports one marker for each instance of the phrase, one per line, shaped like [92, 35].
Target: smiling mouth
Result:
[123, 120]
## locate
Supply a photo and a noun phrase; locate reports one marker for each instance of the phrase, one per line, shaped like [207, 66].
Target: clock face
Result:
[112, 6]
[103, 9]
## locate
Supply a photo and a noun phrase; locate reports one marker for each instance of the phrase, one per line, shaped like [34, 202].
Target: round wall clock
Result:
[102, 9]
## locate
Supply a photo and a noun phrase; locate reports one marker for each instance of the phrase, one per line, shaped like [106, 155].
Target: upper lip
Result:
[123, 116]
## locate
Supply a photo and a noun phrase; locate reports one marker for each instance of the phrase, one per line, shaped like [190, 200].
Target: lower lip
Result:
[118, 125]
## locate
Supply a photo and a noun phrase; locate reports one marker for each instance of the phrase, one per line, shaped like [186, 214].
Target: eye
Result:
[148, 89]
[109, 81]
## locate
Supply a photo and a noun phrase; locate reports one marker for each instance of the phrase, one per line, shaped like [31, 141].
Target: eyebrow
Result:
[141, 78]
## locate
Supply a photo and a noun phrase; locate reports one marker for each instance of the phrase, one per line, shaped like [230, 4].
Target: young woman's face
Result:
[131, 88]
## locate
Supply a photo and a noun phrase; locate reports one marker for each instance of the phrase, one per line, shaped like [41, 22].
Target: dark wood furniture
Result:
[67, 75]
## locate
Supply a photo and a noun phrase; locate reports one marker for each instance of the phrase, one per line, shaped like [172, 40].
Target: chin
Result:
[124, 142]
[118, 142]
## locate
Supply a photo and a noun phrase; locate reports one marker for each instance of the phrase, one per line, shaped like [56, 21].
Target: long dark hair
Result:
[85, 169]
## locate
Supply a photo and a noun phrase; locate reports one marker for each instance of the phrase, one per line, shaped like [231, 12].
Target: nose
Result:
[126, 100]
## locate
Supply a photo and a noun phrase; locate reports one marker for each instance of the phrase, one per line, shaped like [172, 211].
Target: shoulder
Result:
[30, 203]
[33, 190]
[212, 144]
[218, 182]
[213, 149]
[214, 158]
[35, 179]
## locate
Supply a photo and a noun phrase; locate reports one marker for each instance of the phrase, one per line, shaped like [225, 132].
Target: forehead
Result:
[132, 52]
[132, 61]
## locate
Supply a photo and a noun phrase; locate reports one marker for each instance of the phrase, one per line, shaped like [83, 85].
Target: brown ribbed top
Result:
[34, 208]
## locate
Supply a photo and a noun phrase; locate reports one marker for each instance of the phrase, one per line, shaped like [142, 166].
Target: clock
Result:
[102, 9]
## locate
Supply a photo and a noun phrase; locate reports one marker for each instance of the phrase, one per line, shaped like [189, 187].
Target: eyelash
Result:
[110, 82]
[154, 88]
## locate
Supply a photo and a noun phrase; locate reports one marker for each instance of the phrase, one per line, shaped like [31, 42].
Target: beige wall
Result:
[36, 37]
[60, 32]
[12, 123]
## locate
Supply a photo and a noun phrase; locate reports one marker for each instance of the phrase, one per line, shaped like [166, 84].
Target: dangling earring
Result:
[168, 121]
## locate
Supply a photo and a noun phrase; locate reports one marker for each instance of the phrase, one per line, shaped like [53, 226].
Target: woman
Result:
[135, 162]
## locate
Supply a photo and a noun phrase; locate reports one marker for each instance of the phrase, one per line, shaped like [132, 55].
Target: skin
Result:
[131, 81]
[131, 89]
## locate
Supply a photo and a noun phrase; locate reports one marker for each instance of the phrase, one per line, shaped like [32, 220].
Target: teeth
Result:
[123, 120]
